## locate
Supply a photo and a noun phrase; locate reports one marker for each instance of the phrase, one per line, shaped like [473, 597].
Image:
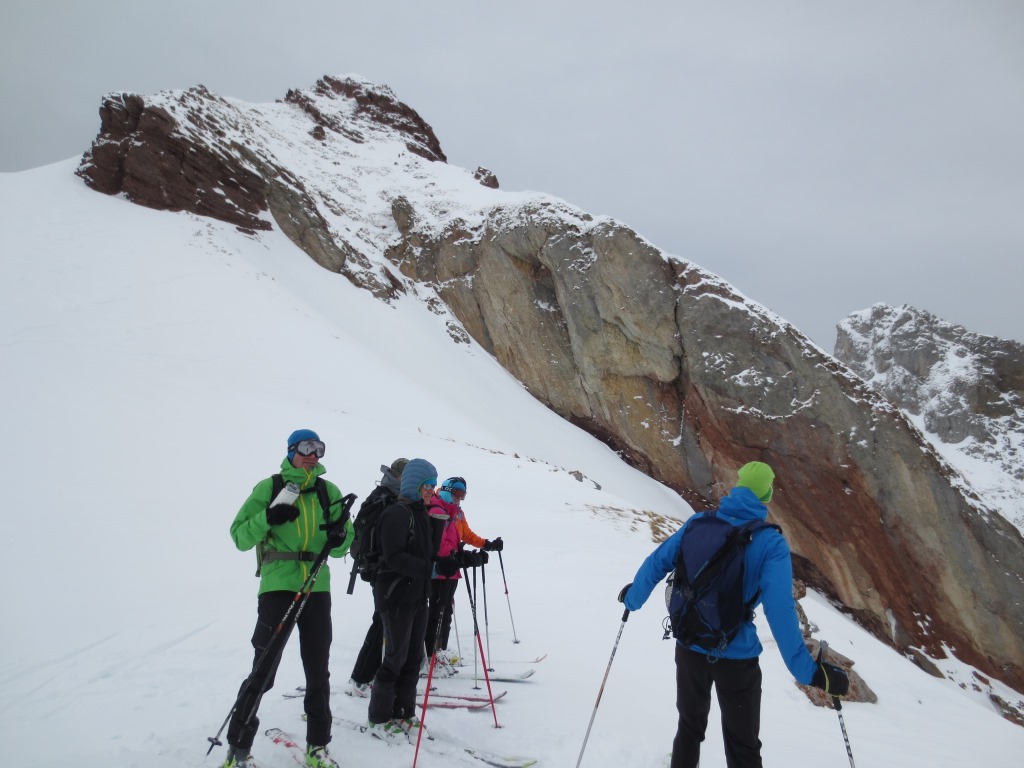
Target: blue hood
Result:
[742, 506]
[413, 476]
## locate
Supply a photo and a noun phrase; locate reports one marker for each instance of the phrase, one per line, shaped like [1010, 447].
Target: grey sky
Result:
[819, 155]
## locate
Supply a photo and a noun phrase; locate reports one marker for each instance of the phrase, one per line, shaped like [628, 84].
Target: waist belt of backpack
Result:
[270, 555]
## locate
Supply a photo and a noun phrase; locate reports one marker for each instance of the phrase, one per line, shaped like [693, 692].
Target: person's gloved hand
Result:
[470, 559]
[494, 545]
[623, 591]
[831, 679]
[336, 535]
[484, 557]
[280, 514]
[447, 566]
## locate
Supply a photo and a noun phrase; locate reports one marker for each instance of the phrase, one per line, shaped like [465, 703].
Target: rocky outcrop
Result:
[197, 152]
[966, 391]
[688, 380]
[379, 106]
[142, 153]
[663, 361]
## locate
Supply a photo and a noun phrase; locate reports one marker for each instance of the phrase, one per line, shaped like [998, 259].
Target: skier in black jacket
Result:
[400, 591]
[368, 659]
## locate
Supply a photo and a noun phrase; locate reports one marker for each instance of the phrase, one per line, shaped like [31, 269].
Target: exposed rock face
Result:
[142, 153]
[195, 151]
[381, 108]
[486, 177]
[688, 381]
[663, 361]
[965, 390]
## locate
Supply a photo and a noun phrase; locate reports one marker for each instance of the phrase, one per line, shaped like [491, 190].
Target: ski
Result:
[286, 740]
[299, 692]
[475, 698]
[496, 678]
[440, 746]
[511, 761]
[534, 660]
[453, 703]
[458, 702]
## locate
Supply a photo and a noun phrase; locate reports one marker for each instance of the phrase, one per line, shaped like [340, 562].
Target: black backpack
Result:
[705, 593]
[365, 549]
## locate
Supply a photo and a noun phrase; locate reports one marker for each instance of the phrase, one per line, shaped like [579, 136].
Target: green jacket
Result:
[250, 528]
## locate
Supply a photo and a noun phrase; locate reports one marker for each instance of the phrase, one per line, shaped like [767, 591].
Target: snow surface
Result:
[153, 365]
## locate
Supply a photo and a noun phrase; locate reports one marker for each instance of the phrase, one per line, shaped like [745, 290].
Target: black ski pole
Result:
[282, 632]
[476, 627]
[501, 562]
[352, 578]
[480, 646]
[600, 692]
[487, 625]
[837, 705]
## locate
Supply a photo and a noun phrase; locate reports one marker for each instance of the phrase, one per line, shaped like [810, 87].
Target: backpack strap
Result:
[276, 484]
[320, 485]
[747, 531]
[271, 555]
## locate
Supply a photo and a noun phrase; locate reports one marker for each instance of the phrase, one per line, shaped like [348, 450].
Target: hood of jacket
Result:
[742, 506]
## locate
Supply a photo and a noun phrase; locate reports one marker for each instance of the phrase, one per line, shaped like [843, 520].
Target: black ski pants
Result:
[315, 634]
[394, 688]
[442, 601]
[737, 684]
[368, 659]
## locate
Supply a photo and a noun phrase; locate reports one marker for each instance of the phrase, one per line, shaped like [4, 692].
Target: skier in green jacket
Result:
[288, 538]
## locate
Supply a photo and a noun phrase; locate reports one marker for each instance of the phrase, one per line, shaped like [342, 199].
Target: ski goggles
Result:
[309, 447]
[456, 486]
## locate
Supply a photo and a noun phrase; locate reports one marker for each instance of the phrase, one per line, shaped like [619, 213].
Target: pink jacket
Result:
[456, 529]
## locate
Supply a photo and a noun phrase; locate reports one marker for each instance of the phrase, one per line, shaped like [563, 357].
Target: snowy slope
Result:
[154, 364]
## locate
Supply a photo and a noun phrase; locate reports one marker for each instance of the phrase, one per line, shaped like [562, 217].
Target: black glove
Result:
[494, 545]
[447, 566]
[484, 557]
[623, 591]
[831, 679]
[336, 534]
[280, 514]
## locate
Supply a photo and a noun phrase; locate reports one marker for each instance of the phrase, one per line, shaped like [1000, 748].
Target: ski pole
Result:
[837, 706]
[600, 692]
[426, 693]
[483, 659]
[487, 626]
[282, 632]
[501, 562]
[472, 605]
[458, 641]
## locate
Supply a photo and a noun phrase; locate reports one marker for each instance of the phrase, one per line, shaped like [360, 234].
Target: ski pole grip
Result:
[625, 615]
[822, 651]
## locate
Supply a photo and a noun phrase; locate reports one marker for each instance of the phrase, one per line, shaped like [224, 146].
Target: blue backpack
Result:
[705, 593]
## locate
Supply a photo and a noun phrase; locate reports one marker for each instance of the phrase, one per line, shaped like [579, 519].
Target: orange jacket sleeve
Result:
[466, 533]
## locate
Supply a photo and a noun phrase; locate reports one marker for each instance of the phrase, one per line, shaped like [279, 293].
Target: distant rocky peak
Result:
[958, 381]
[376, 104]
[965, 390]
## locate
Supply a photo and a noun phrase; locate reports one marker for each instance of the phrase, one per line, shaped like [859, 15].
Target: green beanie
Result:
[758, 477]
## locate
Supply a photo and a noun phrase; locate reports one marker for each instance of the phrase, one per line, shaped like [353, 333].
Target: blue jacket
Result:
[767, 565]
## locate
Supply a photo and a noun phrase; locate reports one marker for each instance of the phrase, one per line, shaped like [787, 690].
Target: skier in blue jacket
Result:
[734, 671]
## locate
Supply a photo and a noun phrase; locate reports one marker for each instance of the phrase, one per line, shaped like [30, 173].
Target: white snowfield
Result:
[153, 366]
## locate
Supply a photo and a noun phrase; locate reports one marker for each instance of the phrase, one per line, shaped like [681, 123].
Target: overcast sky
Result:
[821, 156]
